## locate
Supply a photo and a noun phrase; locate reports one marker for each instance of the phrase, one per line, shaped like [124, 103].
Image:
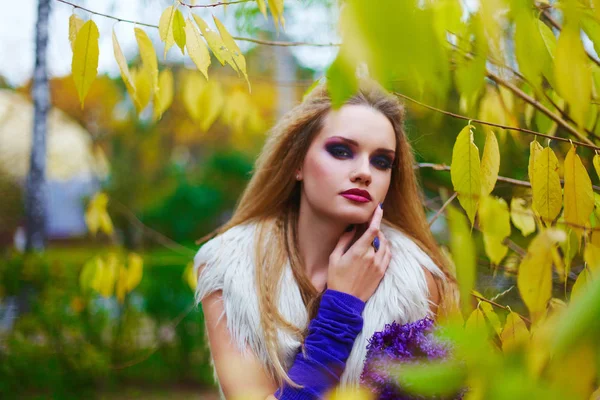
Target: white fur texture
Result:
[402, 295]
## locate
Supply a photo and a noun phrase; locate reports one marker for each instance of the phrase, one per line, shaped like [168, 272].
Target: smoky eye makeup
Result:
[340, 150]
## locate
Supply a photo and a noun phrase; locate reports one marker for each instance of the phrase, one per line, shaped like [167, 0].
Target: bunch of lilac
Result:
[409, 343]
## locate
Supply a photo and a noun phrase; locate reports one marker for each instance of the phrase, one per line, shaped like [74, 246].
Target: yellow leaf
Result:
[522, 216]
[143, 87]
[121, 284]
[570, 248]
[535, 148]
[572, 72]
[495, 225]
[84, 65]
[96, 215]
[211, 103]
[179, 30]
[514, 334]
[125, 74]
[106, 225]
[238, 56]
[276, 7]
[134, 271]
[490, 163]
[535, 271]
[197, 48]
[464, 256]
[491, 316]
[591, 255]
[148, 56]
[465, 171]
[262, 6]
[96, 282]
[476, 321]
[215, 42]
[575, 371]
[165, 93]
[579, 195]
[188, 275]
[339, 393]
[106, 274]
[75, 24]
[583, 279]
[165, 28]
[596, 162]
[547, 193]
[193, 86]
[87, 274]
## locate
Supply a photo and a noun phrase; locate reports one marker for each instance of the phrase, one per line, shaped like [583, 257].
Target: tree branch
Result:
[556, 118]
[244, 39]
[441, 210]
[225, 3]
[499, 306]
[557, 26]
[512, 128]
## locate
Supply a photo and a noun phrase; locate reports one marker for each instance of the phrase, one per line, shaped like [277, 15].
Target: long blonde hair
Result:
[272, 199]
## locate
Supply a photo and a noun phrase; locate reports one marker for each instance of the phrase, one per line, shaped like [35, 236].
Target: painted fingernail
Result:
[381, 205]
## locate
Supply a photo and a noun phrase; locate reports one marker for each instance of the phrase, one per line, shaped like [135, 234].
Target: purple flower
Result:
[409, 343]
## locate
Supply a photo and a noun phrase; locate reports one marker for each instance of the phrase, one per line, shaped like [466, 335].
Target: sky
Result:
[17, 34]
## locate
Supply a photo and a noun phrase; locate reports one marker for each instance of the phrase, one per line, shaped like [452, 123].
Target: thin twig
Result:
[441, 210]
[512, 128]
[557, 26]
[108, 16]
[500, 306]
[496, 297]
[225, 3]
[157, 236]
[244, 39]
[517, 182]
[173, 324]
[556, 118]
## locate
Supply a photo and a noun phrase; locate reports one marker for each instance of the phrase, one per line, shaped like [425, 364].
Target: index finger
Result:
[367, 237]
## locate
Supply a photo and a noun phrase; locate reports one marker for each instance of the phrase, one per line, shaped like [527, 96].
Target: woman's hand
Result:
[359, 270]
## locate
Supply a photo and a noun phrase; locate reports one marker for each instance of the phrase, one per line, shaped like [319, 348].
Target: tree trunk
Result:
[36, 200]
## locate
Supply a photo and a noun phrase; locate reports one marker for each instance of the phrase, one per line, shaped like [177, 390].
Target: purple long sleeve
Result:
[330, 338]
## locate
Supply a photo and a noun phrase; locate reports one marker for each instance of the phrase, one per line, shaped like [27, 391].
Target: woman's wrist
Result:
[346, 301]
[330, 339]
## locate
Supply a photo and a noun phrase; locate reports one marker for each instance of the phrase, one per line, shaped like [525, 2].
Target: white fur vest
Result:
[402, 295]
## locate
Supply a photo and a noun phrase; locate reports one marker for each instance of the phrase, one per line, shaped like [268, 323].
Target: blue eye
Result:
[341, 151]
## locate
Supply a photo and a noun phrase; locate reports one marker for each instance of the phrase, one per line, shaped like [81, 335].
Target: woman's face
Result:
[355, 149]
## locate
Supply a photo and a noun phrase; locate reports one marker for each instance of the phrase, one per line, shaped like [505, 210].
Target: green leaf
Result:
[572, 73]
[463, 254]
[341, 81]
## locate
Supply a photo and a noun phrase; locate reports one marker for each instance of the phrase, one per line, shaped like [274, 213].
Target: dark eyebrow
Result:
[355, 143]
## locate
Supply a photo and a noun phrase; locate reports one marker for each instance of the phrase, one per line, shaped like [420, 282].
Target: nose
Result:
[362, 172]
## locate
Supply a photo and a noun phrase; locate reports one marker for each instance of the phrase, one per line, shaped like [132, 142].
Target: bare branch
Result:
[512, 128]
[244, 39]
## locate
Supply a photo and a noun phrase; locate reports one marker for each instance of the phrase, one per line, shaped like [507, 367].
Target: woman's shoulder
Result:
[229, 253]
[232, 238]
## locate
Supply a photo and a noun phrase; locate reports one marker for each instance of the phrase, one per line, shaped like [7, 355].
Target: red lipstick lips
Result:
[359, 195]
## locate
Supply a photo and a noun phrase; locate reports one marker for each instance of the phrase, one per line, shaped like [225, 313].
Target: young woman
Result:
[311, 264]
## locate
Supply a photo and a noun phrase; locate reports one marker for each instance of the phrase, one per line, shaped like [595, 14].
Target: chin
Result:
[354, 215]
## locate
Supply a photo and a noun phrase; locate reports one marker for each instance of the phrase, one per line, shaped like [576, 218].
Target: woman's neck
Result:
[317, 237]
